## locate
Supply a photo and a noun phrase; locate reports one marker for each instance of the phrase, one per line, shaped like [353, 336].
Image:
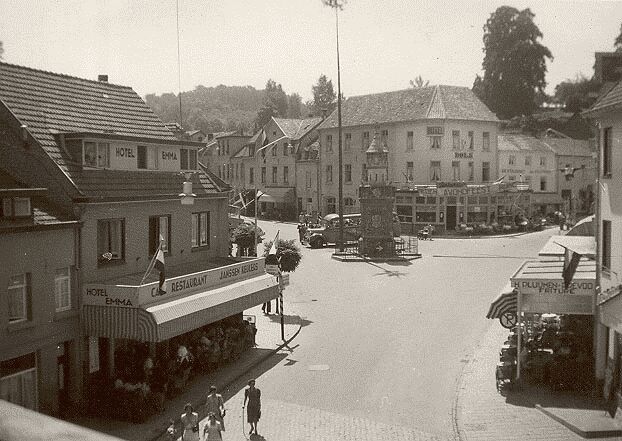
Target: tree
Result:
[419, 82]
[287, 252]
[243, 236]
[1, 51]
[617, 44]
[514, 63]
[277, 97]
[324, 96]
[265, 114]
[294, 106]
[577, 94]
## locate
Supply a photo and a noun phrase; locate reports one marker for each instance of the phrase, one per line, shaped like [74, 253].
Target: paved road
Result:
[384, 344]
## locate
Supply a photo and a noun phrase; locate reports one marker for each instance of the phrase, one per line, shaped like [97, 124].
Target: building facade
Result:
[121, 175]
[433, 134]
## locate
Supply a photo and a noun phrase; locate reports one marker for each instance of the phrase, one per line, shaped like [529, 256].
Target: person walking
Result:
[267, 307]
[213, 429]
[216, 405]
[301, 232]
[190, 424]
[253, 410]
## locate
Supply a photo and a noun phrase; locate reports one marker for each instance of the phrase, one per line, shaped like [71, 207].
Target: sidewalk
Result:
[482, 413]
[268, 341]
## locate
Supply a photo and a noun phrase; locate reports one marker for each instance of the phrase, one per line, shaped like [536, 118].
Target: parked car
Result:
[328, 231]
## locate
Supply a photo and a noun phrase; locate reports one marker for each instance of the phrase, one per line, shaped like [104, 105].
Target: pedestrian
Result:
[301, 217]
[216, 405]
[267, 307]
[213, 429]
[190, 424]
[301, 232]
[253, 410]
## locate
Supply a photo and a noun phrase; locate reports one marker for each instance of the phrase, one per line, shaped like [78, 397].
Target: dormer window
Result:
[188, 159]
[16, 207]
[96, 154]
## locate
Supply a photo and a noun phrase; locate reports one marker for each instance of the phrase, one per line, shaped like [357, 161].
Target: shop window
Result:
[472, 200]
[159, 229]
[329, 143]
[329, 174]
[110, 240]
[62, 289]
[452, 200]
[607, 144]
[486, 141]
[409, 141]
[435, 171]
[275, 172]
[19, 297]
[430, 200]
[485, 171]
[347, 172]
[16, 207]
[419, 199]
[483, 200]
[18, 381]
[96, 154]
[147, 158]
[200, 229]
[365, 141]
[426, 216]
[606, 253]
[477, 216]
[263, 175]
[348, 142]
[404, 213]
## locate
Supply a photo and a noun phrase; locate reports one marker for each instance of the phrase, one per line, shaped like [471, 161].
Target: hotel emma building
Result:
[435, 136]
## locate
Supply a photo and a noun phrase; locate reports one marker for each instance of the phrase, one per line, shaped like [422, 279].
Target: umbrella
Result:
[506, 302]
[585, 227]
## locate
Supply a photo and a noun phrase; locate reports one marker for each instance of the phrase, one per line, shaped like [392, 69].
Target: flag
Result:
[274, 245]
[498, 181]
[159, 265]
[571, 262]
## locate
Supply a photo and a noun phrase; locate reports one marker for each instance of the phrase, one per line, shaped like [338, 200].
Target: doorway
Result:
[63, 376]
[450, 218]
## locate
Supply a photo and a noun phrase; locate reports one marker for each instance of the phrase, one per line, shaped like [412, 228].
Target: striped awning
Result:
[506, 302]
[161, 322]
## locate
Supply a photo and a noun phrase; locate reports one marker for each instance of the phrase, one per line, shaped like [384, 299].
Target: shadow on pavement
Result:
[531, 395]
[386, 272]
[290, 320]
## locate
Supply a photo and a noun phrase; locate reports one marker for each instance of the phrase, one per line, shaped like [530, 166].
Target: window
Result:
[527, 160]
[96, 154]
[18, 381]
[606, 254]
[455, 167]
[384, 137]
[263, 175]
[331, 205]
[347, 172]
[251, 150]
[286, 174]
[543, 161]
[471, 171]
[285, 149]
[329, 173]
[471, 141]
[18, 292]
[16, 207]
[348, 205]
[455, 138]
[426, 216]
[251, 175]
[528, 180]
[159, 226]
[273, 149]
[485, 171]
[435, 170]
[200, 229]
[365, 141]
[110, 240]
[364, 172]
[542, 183]
[435, 142]
[409, 140]
[404, 213]
[348, 141]
[512, 160]
[607, 144]
[308, 179]
[329, 143]
[275, 172]
[486, 141]
[188, 159]
[227, 146]
[62, 289]
[410, 171]
[147, 158]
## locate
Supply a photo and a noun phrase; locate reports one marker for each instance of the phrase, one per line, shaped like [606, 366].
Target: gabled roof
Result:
[569, 146]
[608, 101]
[295, 129]
[432, 102]
[523, 143]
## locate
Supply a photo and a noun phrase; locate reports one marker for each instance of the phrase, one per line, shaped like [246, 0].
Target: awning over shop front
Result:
[166, 320]
[556, 246]
[279, 195]
[504, 303]
[610, 305]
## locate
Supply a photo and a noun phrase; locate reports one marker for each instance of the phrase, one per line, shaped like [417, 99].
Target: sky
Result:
[383, 44]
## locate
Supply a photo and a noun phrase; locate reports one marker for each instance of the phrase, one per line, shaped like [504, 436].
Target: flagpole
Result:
[152, 263]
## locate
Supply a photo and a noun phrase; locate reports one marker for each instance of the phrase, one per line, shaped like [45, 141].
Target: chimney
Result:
[102, 78]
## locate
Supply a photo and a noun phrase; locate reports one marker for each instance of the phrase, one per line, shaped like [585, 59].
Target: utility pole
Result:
[340, 160]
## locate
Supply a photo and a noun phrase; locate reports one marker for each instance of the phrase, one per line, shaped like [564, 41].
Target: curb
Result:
[575, 429]
[240, 375]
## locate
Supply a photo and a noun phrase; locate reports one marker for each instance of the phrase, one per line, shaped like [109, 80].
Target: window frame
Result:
[99, 146]
[25, 287]
[275, 174]
[329, 142]
[11, 203]
[435, 166]
[410, 171]
[486, 141]
[455, 139]
[121, 255]
[58, 296]
[200, 230]
[347, 173]
[347, 143]
[365, 141]
[285, 174]
[471, 170]
[471, 139]
[157, 227]
[329, 173]
[251, 175]
[606, 248]
[607, 166]
[410, 140]
[263, 175]
[485, 168]
[455, 170]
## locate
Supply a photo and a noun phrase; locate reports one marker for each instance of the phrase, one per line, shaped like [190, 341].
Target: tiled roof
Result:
[123, 184]
[444, 102]
[511, 142]
[569, 146]
[295, 129]
[611, 99]
[47, 102]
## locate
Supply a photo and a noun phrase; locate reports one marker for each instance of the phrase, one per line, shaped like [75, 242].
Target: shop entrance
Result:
[450, 219]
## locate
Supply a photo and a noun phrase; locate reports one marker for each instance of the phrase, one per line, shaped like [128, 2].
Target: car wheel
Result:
[317, 243]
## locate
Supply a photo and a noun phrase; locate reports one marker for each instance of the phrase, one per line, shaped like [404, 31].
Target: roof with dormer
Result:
[421, 103]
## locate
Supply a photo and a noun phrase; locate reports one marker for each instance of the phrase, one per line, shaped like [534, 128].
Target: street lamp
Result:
[187, 197]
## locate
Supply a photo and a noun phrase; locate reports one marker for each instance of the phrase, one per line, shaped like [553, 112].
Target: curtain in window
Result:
[114, 238]
[17, 298]
[204, 228]
[195, 229]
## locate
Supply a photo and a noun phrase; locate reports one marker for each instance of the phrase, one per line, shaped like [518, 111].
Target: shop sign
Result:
[463, 155]
[549, 295]
[512, 170]
[552, 286]
[110, 295]
[202, 281]
[446, 184]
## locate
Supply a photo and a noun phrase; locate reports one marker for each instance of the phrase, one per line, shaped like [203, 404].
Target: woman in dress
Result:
[253, 410]
[190, 424]
[212, 430]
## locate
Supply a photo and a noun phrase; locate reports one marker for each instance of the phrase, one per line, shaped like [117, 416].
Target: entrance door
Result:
[62, 354]
[450, 218]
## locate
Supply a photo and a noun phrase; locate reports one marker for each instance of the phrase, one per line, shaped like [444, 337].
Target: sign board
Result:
[549, 295]
[110, 295]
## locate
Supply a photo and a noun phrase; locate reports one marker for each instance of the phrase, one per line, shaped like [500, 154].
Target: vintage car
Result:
[328, 231]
